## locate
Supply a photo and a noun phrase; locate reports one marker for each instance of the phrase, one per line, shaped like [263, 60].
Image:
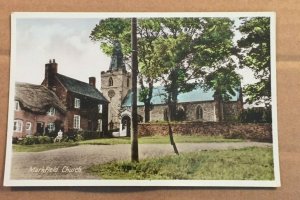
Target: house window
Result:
[110, 81]
[76, 122]
[77, 103]
[199, 113]
[51, 127]
[28, 126]
[99, 125]
[100, 108]
[18, 124]
[51, 111]
[17, 106]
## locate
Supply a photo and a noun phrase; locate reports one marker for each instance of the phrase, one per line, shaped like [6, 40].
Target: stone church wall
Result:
[251, 131]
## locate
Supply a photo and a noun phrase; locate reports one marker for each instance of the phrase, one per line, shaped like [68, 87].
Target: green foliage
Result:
[44, 140]
[31, 140]
[256, 115]
[87, 135]
[224, 81]
[174, 51]
[111, 29]
[241, 164]
[255, 54]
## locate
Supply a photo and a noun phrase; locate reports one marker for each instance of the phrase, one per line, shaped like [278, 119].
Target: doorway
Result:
[40, 128]
[126, 122]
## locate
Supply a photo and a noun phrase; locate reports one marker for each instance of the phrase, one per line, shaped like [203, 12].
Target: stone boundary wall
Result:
[251, 131]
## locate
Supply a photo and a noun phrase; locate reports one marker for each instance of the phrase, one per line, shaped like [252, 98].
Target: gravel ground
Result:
[70, 163]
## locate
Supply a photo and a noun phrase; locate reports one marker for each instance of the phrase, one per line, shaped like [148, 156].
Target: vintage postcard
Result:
[142, 99]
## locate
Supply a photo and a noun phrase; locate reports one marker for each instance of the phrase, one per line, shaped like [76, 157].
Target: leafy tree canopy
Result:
[255, 54]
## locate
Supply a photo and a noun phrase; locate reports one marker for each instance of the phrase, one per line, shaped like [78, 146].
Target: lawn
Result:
[41, 147]
[122, 140]
[160, 140]
[241, 164]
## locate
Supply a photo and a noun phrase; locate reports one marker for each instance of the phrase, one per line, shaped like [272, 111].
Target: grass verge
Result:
[240, 164]
[160, 140]
[41, 147]
[123, 140]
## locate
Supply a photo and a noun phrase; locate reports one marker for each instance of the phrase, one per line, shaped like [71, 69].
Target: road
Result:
[71, 162]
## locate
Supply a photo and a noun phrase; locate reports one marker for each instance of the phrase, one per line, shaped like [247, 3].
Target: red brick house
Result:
[76, 104]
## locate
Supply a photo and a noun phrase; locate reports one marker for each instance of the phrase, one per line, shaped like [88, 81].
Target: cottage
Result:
[35, 108]
[60, 102]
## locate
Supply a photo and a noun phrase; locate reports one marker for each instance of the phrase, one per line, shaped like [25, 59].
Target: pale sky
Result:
[67, 41]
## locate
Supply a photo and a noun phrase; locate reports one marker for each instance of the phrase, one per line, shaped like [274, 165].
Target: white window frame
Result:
[51, 111]
[76, 103]
[18, 125]
[29, 126]
[99, 125]
[76, 122]
[100, 108]
[51, 126]
[17, 106]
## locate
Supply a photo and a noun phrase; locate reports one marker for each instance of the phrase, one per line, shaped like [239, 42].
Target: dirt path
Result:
[70, 163]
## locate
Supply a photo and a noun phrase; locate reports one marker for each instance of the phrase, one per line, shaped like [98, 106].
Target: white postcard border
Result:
[183, 183]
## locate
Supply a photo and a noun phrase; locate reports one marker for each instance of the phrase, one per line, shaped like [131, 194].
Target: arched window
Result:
[180, 113]
[128, 81]
[166, 114]
[110, 82]
[199, 113]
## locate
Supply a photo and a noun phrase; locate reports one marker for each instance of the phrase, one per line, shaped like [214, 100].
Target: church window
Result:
[110, 82]
[166, 114]
[199, 113]
[180, 114]
[128, 81]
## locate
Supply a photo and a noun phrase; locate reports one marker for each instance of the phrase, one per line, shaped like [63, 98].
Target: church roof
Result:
[159, 96]
[80, 87]
[37, 98]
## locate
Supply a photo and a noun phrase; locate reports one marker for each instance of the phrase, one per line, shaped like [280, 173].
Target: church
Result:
[196, 105]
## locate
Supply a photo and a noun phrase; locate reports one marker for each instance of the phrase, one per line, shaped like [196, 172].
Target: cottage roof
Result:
[37, 98]
[159, 96]
[81, 88]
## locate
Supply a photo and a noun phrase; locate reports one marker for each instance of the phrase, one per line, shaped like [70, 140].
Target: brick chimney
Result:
[92, 81]
[50, 72]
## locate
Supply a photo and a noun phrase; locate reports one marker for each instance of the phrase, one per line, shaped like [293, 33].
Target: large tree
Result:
[111, 29]
[177, 52]
[188, 50]
[255, 54]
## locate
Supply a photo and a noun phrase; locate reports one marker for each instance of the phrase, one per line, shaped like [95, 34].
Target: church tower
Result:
[115, 84]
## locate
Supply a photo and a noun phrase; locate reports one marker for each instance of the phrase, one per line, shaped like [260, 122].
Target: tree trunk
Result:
[173, 93]
[172, 138]
[147, 111]
[134, 118]
[148, 102]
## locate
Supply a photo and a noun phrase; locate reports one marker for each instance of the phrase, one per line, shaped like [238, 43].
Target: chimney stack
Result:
[50, 72]
[92, 81]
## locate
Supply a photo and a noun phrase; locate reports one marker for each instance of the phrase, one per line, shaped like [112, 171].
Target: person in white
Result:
[59, 136]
